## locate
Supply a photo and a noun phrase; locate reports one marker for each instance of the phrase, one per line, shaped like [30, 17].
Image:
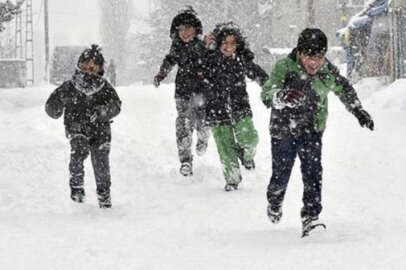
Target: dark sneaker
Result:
[274, 213]
[186, 169]
[201, 147]
[77, 195]
[230, 187]
[104, 200]
[248, 164]
[309, 224]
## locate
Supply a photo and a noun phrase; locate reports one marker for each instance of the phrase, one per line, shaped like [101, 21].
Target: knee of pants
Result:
[79, 155]
[79, 147]
[100, 153]
[184, 143]
[183, 127]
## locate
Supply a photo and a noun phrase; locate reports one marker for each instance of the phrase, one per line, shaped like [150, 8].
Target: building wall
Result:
[290, 18]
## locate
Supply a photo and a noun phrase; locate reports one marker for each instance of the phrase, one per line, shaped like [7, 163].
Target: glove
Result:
[290, 97]
[100, 113]
[364, 118]
[158, 78]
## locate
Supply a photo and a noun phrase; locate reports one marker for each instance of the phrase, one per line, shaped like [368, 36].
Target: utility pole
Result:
[46, 25]
[311, 19]
[18, 42]
[29, 42]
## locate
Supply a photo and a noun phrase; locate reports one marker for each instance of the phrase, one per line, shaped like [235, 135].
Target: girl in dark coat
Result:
[88, 103]
[187, 51]
[228, 110]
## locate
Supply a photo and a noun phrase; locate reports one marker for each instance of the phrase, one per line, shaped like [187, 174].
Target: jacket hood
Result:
[186, 17]
[230, 29]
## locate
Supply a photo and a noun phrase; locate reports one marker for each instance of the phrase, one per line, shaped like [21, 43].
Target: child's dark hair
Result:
[186, 16]
[93, 53]
[223, 30]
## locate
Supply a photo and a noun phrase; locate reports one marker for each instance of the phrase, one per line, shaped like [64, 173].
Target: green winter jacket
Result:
[325, 81]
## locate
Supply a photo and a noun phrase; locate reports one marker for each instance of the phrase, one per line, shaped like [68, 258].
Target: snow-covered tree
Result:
[114, 25]
[8, 10]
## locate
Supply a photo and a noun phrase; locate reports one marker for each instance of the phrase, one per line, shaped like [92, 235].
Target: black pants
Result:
[284, 151]
[99, 151]
[191, 115]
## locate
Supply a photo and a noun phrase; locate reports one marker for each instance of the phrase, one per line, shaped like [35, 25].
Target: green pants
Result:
[229, 139]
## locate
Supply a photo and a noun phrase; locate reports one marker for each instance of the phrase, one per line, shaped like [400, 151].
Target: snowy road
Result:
[160, 220]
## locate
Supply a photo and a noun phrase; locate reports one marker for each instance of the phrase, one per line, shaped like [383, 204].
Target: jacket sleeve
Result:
[256, 73]
[344, 90]
[170, 60]
[274, 83]
[113, 105]
[54, 105]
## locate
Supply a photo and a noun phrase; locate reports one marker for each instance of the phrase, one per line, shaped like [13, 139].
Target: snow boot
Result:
[274, 213]
[248, 164]
[77, 195]
[230, 187]
[201, 147]
[309, 224]
[104, 199]
[186, 169]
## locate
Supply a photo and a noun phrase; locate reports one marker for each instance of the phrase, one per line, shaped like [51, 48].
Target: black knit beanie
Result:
[312, 41]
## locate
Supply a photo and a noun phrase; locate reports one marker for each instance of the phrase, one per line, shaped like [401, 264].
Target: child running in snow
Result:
[88, 103]
[297, 93]
[228, 110]
[187, 51]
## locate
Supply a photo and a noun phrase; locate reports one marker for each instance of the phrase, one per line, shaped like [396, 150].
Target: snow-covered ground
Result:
[161, 220]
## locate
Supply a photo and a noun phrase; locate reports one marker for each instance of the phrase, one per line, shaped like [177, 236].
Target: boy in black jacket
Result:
[88, 103]
[228, 109]
[187, 51]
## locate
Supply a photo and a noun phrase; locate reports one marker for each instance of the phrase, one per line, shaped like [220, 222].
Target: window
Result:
[351, 3]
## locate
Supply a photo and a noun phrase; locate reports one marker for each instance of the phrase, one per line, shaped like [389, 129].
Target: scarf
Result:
[87, 83]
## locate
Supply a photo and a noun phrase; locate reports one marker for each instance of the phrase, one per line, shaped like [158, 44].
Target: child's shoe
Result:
[186, 169]
[274, 213]
[230, 187]
[309, 224]
[201, 147]
[248, 164]
[77, 195]
[104, 200]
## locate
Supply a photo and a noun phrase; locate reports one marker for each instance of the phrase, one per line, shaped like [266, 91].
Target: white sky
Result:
[74, 22]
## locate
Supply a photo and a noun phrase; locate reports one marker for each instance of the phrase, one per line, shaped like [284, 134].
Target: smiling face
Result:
[186, 33]
[229, 46]
[312, 64]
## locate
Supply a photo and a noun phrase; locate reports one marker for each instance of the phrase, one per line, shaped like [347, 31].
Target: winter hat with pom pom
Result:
[93, 53]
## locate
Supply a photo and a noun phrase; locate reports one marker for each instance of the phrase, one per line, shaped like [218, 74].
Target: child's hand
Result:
[158, 78]
[209, 39]
[100, 113]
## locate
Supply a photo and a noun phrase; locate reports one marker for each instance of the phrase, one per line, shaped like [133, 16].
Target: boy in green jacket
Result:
[297, 94]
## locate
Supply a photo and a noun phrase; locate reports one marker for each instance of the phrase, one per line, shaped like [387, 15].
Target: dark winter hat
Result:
[187, 16]
[93, 53]
[312, 41]
[223, 30]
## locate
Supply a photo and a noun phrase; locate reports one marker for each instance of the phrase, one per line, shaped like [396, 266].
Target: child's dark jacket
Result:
[226, 91]
[188, 57]
[81, 110]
